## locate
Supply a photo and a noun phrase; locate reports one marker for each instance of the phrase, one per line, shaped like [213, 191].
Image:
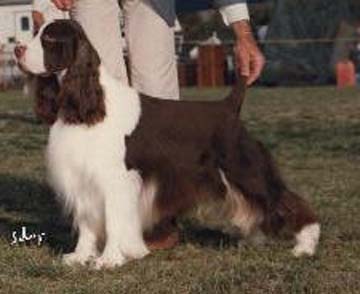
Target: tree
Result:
[303, 19]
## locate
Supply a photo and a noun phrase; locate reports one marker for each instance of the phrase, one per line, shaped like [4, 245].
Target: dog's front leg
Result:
[124, 236]
[86, 246]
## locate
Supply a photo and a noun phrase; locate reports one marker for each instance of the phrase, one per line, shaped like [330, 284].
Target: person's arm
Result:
[38, 8]
[248, 55]
[249, 58]
[38, 21]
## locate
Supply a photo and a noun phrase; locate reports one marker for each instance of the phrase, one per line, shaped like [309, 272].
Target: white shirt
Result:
[49, 11]
[234, 12]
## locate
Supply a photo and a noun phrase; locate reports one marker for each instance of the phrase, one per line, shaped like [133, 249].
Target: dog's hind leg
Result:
[301, 219]
[249, 167]
[243, 214]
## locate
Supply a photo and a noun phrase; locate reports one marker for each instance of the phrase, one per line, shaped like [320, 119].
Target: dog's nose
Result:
[19, 51]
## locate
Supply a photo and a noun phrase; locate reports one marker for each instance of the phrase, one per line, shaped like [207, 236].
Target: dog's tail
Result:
[237, 95]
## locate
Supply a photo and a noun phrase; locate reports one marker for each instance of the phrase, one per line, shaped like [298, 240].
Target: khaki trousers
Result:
[149, 39]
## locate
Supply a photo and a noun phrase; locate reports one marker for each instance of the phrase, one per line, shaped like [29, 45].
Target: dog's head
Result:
[62, 52]
[58, 46]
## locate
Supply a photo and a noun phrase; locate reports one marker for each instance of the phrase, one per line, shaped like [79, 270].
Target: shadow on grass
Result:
[21, 117]
[30, 203]
[206, 237]
[27, 202]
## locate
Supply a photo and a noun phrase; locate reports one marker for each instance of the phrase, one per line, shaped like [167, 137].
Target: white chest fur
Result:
[78, 154]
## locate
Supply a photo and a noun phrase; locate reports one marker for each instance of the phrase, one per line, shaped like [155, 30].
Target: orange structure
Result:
[211, 66]
[345, 74]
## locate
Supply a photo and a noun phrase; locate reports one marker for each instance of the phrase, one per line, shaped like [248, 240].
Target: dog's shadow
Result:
[205, 237]
[30, 203]
[26, 202]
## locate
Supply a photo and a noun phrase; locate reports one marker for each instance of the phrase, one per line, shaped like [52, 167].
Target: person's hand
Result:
[63, 4]
[249, 58]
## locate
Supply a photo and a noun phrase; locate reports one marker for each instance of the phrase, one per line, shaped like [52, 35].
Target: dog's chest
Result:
[86, 148]
[98, 146]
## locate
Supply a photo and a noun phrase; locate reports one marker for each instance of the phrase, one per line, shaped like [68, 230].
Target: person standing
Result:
[150, 39]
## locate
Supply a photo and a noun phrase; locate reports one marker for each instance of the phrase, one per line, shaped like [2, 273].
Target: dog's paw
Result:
[307, 240]
[137, 253]
[109, 261]
[299, 251]
[136, 249]
[74, 258]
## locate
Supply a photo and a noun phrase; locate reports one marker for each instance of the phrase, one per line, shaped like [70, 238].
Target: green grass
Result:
[314, 134]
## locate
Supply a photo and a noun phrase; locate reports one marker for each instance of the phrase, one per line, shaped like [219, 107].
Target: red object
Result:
[345, 74]
[211, 66]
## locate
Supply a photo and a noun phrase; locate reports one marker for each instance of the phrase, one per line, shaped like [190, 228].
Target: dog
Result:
[122, 162]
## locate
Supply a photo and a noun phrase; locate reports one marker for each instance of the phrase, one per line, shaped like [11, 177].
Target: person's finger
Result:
[256, 66]
[243, 60]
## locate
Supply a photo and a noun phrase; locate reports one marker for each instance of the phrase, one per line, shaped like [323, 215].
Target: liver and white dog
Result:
[121, 162]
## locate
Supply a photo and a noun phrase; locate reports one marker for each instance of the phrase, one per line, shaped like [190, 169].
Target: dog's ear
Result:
[81, 94]
[46, 91]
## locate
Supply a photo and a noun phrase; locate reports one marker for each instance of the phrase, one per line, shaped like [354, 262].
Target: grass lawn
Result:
[314, 134]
